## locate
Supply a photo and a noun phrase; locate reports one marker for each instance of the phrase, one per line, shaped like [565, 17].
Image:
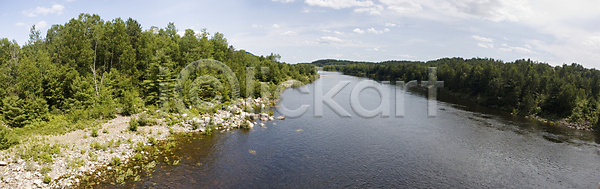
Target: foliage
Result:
[7, 138]
[94, 132]
[40, 152]
[115, 161]
[133, 124]
[89, 68]
[523, 87]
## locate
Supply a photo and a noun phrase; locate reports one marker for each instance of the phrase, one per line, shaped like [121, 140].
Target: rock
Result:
[37, 182]
[184, 116]
[262, 124]
[281, 117]
[252, 116]
[264, 115]
[3, 163]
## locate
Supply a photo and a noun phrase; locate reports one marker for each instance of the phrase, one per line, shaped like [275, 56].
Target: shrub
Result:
[45, 170]
[75, 163]
[151, 140]
[133, 124]
[47, 179]
[130, 103]
[7, 138]
[94, 132]
[115, 161]
[144, 120]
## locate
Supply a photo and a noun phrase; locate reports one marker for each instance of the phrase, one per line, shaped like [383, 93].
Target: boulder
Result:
[281, 117]
[3, 163]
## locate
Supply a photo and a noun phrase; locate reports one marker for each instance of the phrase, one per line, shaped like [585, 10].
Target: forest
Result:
[569, 92]
[91, 69]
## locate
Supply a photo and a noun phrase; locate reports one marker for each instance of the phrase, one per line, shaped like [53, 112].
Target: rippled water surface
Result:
[466, 145]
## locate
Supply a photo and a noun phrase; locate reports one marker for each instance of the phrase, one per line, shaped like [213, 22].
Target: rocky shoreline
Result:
[60, 161]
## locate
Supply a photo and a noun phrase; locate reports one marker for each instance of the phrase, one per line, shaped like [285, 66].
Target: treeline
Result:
[89, 68]
[522, 87]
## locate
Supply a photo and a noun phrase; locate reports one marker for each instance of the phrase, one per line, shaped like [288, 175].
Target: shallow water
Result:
[465, 146]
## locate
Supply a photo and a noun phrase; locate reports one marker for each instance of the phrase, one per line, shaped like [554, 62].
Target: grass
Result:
[40, 152]
[45, 170]
[75, 163]
[98, 146]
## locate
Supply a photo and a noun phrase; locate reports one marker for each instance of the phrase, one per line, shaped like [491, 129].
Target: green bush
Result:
[133, 124]
[12, 111]
[144, 120]
[130, 103]
[94, 132]
[115, 161]
[7, 138]
[47, 179]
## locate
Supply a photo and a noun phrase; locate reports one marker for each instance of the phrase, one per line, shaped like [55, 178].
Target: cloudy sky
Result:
[549, 31]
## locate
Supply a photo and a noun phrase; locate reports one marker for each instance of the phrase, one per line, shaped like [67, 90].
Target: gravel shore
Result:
[82, 154]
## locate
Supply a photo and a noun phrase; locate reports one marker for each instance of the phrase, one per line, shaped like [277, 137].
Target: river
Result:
[465, 146]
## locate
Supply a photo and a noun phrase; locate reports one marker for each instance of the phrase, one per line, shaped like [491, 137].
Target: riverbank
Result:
[59, 161]
[585, 125]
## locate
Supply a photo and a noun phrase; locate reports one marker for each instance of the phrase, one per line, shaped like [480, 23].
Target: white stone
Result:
[37, 182]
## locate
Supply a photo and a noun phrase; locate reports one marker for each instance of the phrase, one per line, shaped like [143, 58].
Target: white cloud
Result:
[19, 24]
[326, 31]
[402, 6]
[256, 26]
[275, 26]
[523, 50]
[387, 24]
[289, 33]
[484, 42]
[55, 9]
[374, 31]
[283, 1]
[359, 31]
[485, 45]
[330, 39]
[338, 32]
[69, 0]
[592, 41]
[482, 39]
[375, 10]
[41, 24]
[339, 4]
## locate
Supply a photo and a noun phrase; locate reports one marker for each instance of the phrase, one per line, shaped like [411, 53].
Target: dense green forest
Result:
[522, 87]
[90, 69]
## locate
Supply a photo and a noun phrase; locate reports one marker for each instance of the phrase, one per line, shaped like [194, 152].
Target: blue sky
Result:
[555, 32]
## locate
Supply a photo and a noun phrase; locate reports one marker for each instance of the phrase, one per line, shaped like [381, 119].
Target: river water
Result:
[465, 146]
